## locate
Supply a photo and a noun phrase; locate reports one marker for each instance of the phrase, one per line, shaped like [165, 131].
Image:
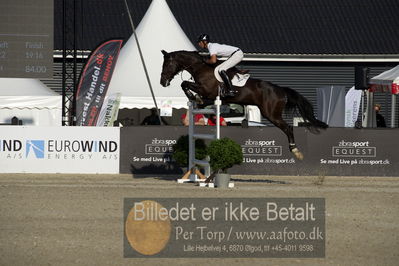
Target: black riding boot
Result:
[228, 87]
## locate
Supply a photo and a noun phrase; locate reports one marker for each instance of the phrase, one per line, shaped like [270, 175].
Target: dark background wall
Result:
[303, 77]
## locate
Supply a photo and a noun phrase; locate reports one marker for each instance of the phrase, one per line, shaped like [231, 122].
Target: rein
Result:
[185, 68]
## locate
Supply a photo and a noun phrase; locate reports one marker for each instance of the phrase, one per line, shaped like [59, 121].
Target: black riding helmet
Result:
[203, 37]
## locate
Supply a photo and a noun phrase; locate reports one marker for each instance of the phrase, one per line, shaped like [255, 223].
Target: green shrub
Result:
[180, 150]
[224, 153]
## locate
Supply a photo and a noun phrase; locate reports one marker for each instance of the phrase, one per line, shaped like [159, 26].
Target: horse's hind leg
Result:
[292, 146]
[289, 131]
[278, 121]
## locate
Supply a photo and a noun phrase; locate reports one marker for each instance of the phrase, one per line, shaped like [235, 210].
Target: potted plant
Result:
[224, 153]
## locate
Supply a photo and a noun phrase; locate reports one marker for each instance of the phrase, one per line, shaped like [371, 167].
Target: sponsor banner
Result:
[360, 152]
[59, 150]
[265, 151]
[149, 152]
[352, 105]
[94, 82]
[109, 111]
[224, 228]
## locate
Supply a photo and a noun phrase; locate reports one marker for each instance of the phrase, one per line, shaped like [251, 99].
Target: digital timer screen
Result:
[26, 38]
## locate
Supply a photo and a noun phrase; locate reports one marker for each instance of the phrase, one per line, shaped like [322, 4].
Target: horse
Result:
[270, 98]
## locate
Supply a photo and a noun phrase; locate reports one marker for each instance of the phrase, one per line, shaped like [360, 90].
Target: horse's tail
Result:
[305, 108]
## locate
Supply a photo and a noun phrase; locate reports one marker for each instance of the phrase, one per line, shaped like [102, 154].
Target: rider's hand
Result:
[205, 60]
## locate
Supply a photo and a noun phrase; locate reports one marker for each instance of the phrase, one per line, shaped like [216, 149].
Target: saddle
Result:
[238, 77]
[234, 70]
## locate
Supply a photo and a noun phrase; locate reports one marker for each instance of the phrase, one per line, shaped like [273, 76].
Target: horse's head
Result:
[170, 68]
[177, 61]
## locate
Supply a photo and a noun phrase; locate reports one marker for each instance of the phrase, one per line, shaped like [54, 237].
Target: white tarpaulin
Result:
[331, 105]
[158, 30]
[30, 101]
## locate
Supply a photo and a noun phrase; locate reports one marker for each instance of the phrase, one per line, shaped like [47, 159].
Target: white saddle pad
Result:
[239, 80]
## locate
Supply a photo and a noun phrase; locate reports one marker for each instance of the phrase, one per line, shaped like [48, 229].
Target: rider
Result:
[234, 54]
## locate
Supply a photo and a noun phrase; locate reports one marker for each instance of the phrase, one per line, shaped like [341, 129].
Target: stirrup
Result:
[226, 92]
[229, 93]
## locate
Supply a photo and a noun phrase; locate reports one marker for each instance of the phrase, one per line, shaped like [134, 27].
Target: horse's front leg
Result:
[187, 87]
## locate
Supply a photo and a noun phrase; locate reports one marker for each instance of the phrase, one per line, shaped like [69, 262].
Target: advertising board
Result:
[25, 149]
[335, 151]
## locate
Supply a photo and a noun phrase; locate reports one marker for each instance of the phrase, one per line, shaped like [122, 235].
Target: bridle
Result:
[185, 68]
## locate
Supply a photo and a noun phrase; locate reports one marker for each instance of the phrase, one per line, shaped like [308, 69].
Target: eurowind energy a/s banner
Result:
[94, 82]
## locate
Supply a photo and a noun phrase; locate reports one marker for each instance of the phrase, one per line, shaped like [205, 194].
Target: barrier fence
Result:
[193, 162]
[336, 151]
[147, 150]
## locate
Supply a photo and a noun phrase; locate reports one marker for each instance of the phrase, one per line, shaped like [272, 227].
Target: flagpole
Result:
[142, 60]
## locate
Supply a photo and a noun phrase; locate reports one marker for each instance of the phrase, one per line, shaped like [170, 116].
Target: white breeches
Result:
[229, 63]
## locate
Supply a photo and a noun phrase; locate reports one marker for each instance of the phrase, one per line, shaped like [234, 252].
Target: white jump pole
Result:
[218, 102]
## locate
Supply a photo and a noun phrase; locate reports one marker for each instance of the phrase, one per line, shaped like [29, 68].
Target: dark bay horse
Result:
[271, 99]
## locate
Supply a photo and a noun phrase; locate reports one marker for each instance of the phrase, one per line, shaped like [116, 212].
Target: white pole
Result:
[362, 106]
[218, 102]
[191, 141]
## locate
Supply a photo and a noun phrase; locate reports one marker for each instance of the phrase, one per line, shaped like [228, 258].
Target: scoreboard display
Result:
[26, 38]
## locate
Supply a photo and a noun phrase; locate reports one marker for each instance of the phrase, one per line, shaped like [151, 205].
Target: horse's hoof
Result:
[297, 153]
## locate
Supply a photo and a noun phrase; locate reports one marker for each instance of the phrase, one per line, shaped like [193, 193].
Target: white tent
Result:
[386, 77]
[387, 81]
[30, 101]
[158, 30]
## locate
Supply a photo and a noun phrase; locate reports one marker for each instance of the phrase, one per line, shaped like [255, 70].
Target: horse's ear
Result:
[164, 52]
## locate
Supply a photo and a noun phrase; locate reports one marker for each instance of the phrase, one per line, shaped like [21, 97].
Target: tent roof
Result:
[386, 77]
[158, 30]
[24, 87]
[27, 93]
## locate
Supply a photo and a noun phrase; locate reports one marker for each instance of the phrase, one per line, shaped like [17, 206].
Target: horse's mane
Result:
[194, 54]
